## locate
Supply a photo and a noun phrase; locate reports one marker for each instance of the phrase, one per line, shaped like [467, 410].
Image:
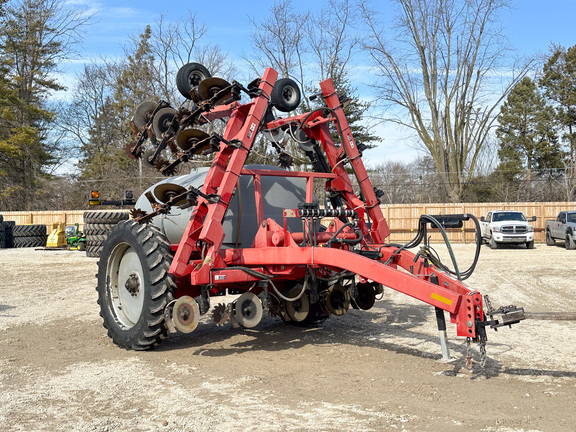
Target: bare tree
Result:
[279, 42]
[331, 41]
[442, 73]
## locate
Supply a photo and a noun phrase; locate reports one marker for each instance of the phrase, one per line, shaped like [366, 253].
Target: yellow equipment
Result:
[57, 239]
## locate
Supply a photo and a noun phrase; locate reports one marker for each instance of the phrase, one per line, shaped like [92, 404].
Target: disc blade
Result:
[143, 113]
[210, 86]
[185, 314]
[248, 310]
[165, 191]
[297, 310]
[187, 138]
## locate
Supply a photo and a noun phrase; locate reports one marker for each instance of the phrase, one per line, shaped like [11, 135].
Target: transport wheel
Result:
[285, 95]
[530, 245]
[549, 240]
[189, 76]
[493, 244]
[569, 242]
[134, 286]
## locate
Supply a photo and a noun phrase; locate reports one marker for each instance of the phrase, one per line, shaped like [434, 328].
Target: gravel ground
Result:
[367, 371]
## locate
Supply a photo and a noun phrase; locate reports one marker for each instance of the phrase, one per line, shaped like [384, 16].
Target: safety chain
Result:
[483, 353]
[483, 356]
[468, 355]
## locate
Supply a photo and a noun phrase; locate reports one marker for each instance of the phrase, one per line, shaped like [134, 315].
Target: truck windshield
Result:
[508, 216]
[571, 217]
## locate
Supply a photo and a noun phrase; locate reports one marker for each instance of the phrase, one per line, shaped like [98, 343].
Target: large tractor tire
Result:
[31, 241]
[93, 251]
[98, 229]
[29, 235]
[97, 225]
[6, 235]
[134, 286]
[29, 231]
[104, 217]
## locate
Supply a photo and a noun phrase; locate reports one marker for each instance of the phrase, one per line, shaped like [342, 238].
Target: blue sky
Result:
[531, 27]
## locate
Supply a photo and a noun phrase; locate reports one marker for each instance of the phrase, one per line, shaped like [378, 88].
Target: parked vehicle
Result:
[562, 229]
[507, 227]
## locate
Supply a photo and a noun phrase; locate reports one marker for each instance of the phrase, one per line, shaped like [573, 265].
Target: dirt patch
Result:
[366, 371]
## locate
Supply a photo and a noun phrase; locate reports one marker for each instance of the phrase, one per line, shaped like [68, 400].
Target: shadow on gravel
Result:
[356, 328]
[4, 308]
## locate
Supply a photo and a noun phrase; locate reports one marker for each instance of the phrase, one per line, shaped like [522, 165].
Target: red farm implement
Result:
[290, 264]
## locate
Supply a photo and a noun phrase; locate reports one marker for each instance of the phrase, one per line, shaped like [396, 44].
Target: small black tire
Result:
[549, 240]
[189, 76]
[285, 95]
[530, 245]
[82, 246]
[104, 217]
[134, 286]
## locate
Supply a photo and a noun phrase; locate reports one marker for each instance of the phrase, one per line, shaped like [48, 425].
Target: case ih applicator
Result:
[149, 286]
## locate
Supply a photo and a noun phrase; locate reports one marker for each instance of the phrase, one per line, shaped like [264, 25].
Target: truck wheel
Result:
[493, 244]
[530, 245]
[569, 243]
[549, 240]
[134, 286]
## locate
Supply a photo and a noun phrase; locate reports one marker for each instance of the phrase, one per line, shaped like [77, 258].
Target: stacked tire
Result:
[97, 224]
[6, 235]
[29, 235]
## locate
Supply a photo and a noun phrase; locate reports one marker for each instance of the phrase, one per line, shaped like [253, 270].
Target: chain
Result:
[468, 355]
[483, 353]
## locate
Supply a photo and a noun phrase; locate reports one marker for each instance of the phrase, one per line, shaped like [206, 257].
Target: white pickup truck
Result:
[507, 227]
[562, 228]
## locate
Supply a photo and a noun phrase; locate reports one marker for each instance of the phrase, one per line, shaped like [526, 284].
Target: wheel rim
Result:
[125, 290]
[289, 94]
[195, 77]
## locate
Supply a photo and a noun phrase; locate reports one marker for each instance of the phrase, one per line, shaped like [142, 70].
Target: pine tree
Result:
[559, 84]
[527, 137]
[35, 36]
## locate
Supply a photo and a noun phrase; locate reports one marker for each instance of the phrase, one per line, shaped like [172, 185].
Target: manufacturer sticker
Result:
[252, 129]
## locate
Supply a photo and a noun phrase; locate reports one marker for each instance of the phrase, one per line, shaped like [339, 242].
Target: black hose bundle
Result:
[431, 255]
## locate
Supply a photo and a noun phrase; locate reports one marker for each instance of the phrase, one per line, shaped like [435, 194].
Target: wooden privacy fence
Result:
[402, 218]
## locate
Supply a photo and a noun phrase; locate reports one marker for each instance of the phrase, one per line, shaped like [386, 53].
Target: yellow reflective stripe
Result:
[441, 299]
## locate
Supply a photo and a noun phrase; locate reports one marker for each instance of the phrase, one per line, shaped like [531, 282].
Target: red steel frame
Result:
[200, 261]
